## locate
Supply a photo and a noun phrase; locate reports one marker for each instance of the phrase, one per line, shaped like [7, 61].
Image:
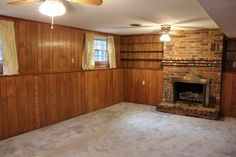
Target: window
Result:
[101, 52]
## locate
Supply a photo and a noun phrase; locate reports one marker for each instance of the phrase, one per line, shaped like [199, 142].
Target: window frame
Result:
[101, 64]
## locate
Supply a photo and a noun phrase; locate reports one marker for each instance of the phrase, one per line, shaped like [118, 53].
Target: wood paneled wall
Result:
[42, 49]
[51, 86]
[141, 57]
[143, 86]
[229, 94]
[34, 101]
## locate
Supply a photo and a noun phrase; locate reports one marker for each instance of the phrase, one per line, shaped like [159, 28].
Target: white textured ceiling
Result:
[224, 14]
[114, 16]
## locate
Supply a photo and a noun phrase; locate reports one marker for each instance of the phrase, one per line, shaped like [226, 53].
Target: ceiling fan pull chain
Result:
[52, 22]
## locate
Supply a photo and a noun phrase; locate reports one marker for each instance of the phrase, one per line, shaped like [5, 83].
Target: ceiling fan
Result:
[53, 8]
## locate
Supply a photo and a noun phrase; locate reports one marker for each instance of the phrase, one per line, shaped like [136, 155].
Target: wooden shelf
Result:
[141, 51]
[229, 55]
[141, 43]
[230, 60]
[230, 51]
[142, 68]
[141, 59]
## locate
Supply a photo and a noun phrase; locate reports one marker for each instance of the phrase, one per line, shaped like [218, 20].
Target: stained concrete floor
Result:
[127, 130]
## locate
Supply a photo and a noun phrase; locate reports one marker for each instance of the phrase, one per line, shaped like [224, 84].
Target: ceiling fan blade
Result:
[19, 2]
[92, 2]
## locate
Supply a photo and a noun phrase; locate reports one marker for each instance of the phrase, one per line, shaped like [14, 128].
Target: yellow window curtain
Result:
[88, 52]
[10, 62]
[111, 52]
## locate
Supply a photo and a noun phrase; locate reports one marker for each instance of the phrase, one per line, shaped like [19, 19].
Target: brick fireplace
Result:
[192, 74]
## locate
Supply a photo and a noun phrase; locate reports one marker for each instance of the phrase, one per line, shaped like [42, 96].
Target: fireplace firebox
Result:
[191, 90]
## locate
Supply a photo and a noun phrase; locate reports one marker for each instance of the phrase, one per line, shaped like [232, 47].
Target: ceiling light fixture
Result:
[52, 8]
[165, 37]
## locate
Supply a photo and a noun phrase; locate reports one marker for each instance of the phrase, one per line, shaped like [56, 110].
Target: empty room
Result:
[117, 78]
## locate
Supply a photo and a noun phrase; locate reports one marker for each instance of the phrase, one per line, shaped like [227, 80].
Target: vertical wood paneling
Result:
[117, 47]
[32, 47]
[76, 95]
[70, 90]
[118, 85]
[127, 78]
[31, 102]
[22, 52]
[61, 97]
[142, 94]
[22, 101]
[110, 90]
[68, 49]
[45, 48]
[36, 101]
[65, 90]
[41, 49]
[136, 91]
[101, 83]
[55, 49]
[89, 91]
[82, 92]
[51, 98]
[39, 98]
[76, 52]
[228, 94]
[39, 56]
[42, 100]
[4, 107]
[1, 121]
[12, 106]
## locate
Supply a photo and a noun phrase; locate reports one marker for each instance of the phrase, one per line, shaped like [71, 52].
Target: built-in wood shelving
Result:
[141, 51]
[229, 57]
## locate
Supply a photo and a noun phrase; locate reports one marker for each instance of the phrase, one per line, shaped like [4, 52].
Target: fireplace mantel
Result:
[187, 79]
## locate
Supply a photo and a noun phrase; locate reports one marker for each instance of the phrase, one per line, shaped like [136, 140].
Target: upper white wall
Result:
[224, 14]
[114, 16]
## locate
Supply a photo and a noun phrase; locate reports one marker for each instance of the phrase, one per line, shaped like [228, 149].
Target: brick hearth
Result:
[189, 110]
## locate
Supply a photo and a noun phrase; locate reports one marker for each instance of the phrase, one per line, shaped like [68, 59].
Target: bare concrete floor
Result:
[127, 130]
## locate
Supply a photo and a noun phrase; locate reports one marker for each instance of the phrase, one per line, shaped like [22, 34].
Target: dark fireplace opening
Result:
[189, 92]
[195, 91]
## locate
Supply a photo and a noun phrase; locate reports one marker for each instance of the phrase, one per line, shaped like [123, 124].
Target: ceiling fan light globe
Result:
[52, 8]
[165, 37]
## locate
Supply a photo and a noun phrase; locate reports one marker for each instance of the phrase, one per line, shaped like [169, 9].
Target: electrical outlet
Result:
[72, 60]
[143, 83]
[234, 65]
